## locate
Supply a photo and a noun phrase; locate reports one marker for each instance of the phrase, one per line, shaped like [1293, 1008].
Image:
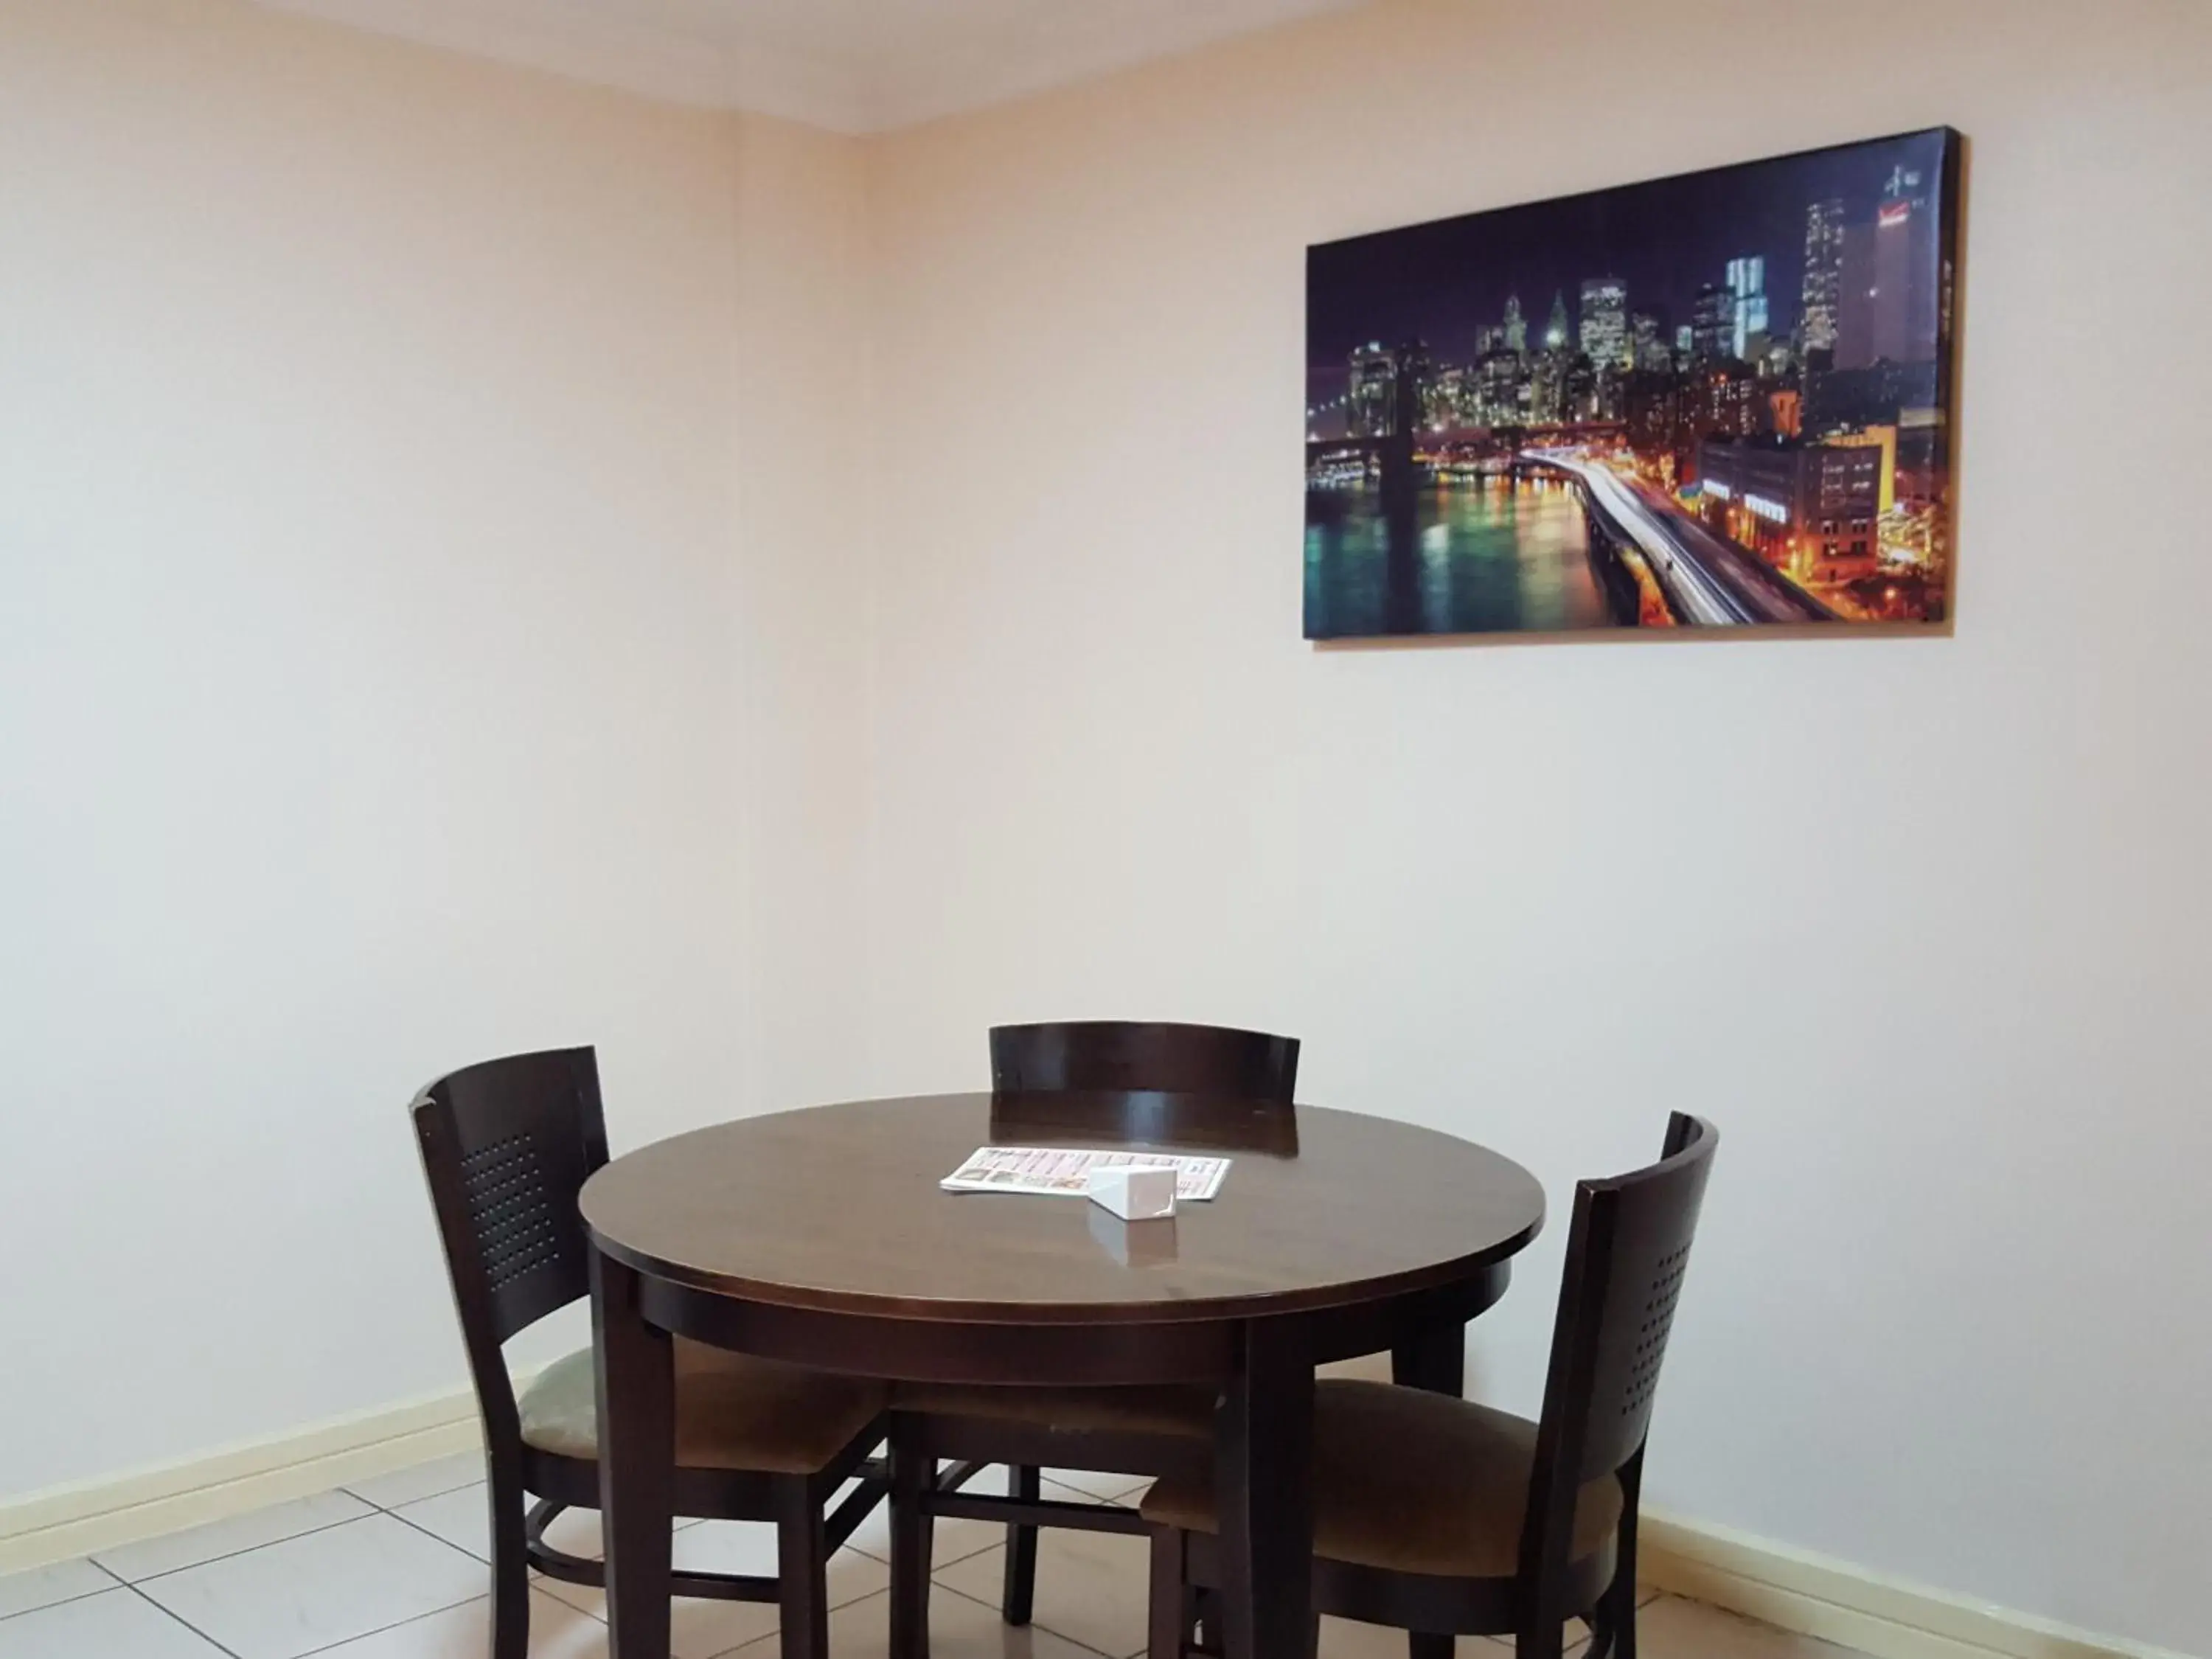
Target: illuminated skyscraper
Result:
[1516, 327]
[1712, 324]
[1547, 389]
[1605, 323]
[1413, 386]
[1647, 343]
[1556, 333]
[1446, 399]
[1747, 286]
[1369, 403]
[1580, 390]
[1502, 378]
[1821, 296]
[1887, 312]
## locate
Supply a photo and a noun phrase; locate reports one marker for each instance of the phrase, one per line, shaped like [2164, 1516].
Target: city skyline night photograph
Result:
[1719, 400]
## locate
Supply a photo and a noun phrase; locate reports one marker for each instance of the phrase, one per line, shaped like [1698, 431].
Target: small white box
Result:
[1133, 1191]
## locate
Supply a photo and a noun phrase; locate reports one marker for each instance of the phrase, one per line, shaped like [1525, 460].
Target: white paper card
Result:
[1136, 1192]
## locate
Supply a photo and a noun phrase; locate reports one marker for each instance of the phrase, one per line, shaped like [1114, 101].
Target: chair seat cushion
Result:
[732, 1412]
[1183, 1411]
[1414, 1482]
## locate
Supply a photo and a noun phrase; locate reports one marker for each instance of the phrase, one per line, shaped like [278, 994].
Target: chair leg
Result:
[1620, 1594]
[1024, 1481]
[914, 1472]
[802, 1569]
[1171, 1603]
[510, 1571]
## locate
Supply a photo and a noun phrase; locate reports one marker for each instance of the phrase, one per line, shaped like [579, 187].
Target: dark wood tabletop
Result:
[838, 1208]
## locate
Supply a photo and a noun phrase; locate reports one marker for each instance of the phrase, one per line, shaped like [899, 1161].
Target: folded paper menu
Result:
[1062, 1171]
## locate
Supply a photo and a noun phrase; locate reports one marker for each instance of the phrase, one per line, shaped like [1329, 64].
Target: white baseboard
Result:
[64, 1523]
[1839, 1602]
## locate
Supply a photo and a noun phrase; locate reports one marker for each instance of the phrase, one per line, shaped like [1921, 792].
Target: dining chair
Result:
[1119, 1081]
[1445, 1518]
[507, 1146]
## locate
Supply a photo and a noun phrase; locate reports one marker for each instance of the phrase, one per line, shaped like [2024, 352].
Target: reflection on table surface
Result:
[1208, 1122]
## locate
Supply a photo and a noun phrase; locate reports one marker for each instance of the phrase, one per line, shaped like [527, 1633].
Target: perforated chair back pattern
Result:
[507, 1146]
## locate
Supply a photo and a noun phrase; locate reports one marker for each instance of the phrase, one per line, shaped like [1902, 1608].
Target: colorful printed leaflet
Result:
[1063, 1171]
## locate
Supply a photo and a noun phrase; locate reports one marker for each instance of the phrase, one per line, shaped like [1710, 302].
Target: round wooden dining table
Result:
[822, 1237]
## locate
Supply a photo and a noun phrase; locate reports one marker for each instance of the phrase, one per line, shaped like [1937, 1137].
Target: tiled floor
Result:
[393, 1568]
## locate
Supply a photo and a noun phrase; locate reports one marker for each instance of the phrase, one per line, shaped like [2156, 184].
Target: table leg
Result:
[637, 1461]
[1263, 1471]
[1434, 1357]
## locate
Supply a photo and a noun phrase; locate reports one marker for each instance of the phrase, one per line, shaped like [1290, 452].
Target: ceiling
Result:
[854, 65]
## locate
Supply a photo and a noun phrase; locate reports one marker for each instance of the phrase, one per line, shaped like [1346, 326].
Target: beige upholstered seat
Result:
[1414, 1482]
[1185, 1411]
[732, 1412]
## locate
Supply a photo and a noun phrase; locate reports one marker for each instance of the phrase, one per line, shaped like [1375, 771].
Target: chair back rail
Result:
[1130, 1056]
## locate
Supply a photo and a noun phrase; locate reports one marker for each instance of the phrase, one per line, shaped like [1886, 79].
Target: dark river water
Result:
[1475, 558]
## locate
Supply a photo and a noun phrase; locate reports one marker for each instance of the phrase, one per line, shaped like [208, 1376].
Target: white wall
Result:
[403, 659]
[804, 420]
[1920, 922]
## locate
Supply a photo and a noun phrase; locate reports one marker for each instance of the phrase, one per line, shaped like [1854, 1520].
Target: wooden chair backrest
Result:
[1128, 1054]
[507, 1146]
[1627, 1251]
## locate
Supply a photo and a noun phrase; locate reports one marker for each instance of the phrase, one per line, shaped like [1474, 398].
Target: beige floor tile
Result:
[463, 1518]
[556, 1631]
[119, 1625]
[703, 1629]
[1091, 1586]
[1672, 1628]
[46, 1586]
[958, 1629]
[954, 1541]
[151, 1557]
[420, 1480]
[323, 1587]
[949, 1540]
